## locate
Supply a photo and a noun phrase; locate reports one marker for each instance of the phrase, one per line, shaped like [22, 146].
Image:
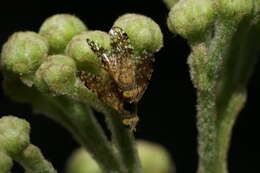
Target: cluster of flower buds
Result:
[211, 27]
[15, 145]
[14, 136]
[65, 58]
[191, 18]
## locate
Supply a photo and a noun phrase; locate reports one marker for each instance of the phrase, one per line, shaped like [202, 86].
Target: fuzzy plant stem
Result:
[223, 94]
[206, 102]
[224, 40]
[15, 145]
[123, 138]
[79, 120]
[33, 161]
[214, 135]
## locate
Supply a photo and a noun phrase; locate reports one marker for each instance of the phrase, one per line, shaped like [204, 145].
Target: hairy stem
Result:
[206, 132]
[221, 79]
[214, 137]
[33, 161]
[79, 120]
[123, 139]
[225, 129]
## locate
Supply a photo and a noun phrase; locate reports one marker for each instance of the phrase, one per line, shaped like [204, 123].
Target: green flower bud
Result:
[191, 18]
[82, 162]
[24, 52]
[79, 49]
[143, 32]
[14, 135]
[170, 3]
[6, 163]
[154, 158]
[57, 74]
[59, 30]
[236, 9]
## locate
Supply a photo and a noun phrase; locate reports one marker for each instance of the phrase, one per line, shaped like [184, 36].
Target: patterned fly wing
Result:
[144, 69]
[128, 75]
[122, 69]
[120, 42]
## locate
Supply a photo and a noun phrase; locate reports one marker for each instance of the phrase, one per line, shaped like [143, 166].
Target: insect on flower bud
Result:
[14, 135]
[59, 30]
[128, 76]
[57, 74]
[191, 18]
[24, 52]
[143, 32]
[79, 49]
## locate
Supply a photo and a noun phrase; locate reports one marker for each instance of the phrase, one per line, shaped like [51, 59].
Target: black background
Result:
[167, 110]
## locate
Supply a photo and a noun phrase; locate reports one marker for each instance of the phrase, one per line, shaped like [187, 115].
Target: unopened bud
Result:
[24, 52]
[143, 32]
[14, 135]
[57, 74]
[79, 49]
[59, 30]
[191, 18]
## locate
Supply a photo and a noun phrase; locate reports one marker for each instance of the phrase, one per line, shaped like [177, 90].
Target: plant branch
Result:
[33, 161]
[123, 139]
[79, 120]
[222, 93]
[74, 116]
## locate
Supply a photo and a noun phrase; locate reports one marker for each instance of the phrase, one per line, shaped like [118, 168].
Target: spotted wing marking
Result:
[130, 76]
[120, 42]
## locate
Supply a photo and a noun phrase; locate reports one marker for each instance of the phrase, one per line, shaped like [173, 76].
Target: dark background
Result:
[167, 110]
